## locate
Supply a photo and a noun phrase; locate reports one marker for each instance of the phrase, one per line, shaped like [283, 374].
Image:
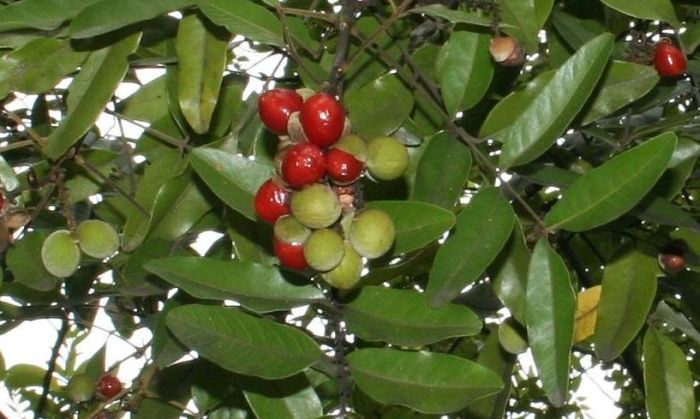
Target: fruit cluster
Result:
[311, 200]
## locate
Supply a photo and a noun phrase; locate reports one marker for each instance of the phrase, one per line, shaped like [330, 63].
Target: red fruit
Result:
[290, 255]
[109, 386]
[343, 167]
[323, 119]
[303, 164]
[276, 105]
[271, 201]
[669, 60]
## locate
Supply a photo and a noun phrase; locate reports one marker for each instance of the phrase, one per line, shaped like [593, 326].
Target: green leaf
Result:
[40, 14]
[233, 178]
[675, 319]
[33, 275]
[442, 172]
[149, 103]
[290, 398]
[610, 190]
[454, 16]
[246, 18]
[668, 382]
[550, 305]
[403, 317]
[423, 381]
[178, 208]
[482, 229]
[526, 18]
[8, 178]
[622, 84]
[464, 70]
[509, 273]
[379, 107]
[417, 224]
[90, 92]
[576, 32]
[629, 288]
[242, 343]
[108, 15]
[691, 37]
[201, 53]
[535, 129]
[679, 168]
[659, 211]
[258, 287]
[648, 9]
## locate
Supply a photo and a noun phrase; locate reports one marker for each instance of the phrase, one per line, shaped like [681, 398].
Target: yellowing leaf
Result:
[586, 313]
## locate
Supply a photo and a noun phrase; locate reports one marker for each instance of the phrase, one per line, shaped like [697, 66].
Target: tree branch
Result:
[346, 16]
[62, 332]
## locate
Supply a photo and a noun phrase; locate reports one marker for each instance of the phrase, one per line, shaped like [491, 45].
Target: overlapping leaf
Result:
[380, 107]
[245, 17]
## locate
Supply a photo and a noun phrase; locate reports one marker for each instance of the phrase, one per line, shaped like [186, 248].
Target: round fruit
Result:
[343, 167]
[324, 249]
[669, 60]
[316, 206]
[673, 261]
[511, 337]
[303, 164]
[387, 158]
[109, 386]
[353, 144]
[290, 255]
[323, 119]
[347, 274]
[97, 239]
[81, 388]
[372, 233]
[60, 254]
[507, 51]
[288, 230]
[276, 105]
[271, 201]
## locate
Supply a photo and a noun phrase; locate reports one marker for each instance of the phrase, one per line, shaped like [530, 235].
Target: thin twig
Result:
[60, 337]
[345, 20]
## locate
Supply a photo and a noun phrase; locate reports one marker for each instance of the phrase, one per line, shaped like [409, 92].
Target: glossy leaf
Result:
[526, 18]
[380, 107]
[675, 319]
[628, 290]
[423, 381]
[660, 211]
[201, 53]
[403, 317]
[90, 92]
[179, 206]
[258, 287]
[483, 228]
[417, 224]
[40, 14]
[576, 32]
[149, 103]
[107, 15]
[586, 313]
[509, 273]
[233, 178]
[551, 305]
[442, 172]
[454, 16]
[242, 343]
[679, 168]
[648, 9]
[33, 275]
[245, 18]
[608, 191]
[464, 70]
[289, 398]
[668, 382]
[535, 129]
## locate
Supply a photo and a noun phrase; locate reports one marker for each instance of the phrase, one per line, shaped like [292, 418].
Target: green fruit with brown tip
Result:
[387, 158]
[347, 274]
[97, 239]
[60, 254]
[81, 388]
[372, 233]
[324, 249]
[316, 206]
[353, 144]
[288, 229]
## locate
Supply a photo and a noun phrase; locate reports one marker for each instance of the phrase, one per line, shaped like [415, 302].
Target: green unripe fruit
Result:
[324, 249]
[316, 206]
[97, 239]
[288, 229]
[347, 274]
[354, 145]
[60, 254]
[81, 388]
[372, 233]
[511, 337]
[387, 158]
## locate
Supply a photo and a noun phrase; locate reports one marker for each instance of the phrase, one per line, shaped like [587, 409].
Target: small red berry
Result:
[271, 201]
[323, 119]
[669, 60]
[343, 167]
[109, 386]
[303, 164]
[276, 105]
[290, 255]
